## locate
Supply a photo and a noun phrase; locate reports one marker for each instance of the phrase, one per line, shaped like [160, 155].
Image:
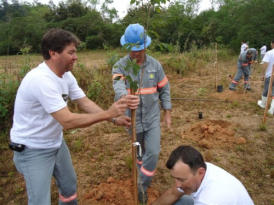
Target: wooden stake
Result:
[269, 95]
[216, 67]
[134, 153]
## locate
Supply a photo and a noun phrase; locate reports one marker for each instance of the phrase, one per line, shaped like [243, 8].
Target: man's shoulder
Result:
[152, 60]
[270, 52]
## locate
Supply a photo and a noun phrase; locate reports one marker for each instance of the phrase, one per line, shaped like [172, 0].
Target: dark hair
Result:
[249, 52]
[57, 39]
[188, 155]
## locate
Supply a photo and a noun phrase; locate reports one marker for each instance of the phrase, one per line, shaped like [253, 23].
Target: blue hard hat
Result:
[135, 33]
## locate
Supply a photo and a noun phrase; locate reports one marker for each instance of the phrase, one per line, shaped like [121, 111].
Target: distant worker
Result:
[153, 85]
[244, 68]
[263, 51]
[244, 46]
[200, 183]
[267, 66]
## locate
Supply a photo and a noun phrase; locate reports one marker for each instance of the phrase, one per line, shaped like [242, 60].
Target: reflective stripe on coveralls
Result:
[146, 172]
[144, 91]
[68, 199]
[163, 82]
[139, 162]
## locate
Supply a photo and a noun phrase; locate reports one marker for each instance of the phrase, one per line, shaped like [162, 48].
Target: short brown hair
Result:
[57, 39]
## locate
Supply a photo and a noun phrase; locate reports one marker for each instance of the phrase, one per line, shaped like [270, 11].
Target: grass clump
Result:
[262, 126]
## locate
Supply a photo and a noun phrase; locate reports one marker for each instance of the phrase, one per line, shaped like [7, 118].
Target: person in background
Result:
[244, 61]
[41, 113]
[267, 66]
[153, 86]
[198, 182]
[244, 46]
[263, 51]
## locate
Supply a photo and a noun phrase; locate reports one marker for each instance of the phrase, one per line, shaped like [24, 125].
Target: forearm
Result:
[168, 197]
[167, 112]
[264, 67]
[74, 120]
[164, 96]
[96, 114]
[89, 106]
[120, 90]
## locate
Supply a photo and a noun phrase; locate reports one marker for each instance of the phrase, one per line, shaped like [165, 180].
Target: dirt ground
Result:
[230, 135]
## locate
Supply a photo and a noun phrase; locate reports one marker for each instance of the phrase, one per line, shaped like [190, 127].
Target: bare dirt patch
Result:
[115, 192]
[213, 133]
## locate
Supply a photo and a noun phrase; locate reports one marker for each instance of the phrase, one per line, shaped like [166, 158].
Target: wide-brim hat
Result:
[136, 34]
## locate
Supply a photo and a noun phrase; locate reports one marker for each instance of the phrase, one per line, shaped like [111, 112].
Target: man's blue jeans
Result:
[39, 165]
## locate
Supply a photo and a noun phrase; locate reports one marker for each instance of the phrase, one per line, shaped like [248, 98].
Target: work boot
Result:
[233, 85]
[232, 88]
[142, 198]
[262, 103]
[271, 110]
[247, 86]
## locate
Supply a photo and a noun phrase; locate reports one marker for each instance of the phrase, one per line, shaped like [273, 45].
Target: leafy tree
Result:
[64, 11]
[108, 14]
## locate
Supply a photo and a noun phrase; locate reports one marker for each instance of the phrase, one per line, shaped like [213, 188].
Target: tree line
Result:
[177, 27]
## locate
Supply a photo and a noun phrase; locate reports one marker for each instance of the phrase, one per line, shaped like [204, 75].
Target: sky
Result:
[122, 7]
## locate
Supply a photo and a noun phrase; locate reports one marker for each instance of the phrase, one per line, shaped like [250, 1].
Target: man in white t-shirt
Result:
[263, 51]
[199, 182]
[41, 113]
[267, 66]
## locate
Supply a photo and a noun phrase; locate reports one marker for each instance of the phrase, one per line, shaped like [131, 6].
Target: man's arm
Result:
[119, 85]
[264, 66]
[90, 107]
[169, 197]
[95, 114]
[167, 118]
[164, 95]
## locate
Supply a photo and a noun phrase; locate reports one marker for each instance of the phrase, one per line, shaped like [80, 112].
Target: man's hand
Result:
[132, 101]
[123, 121]
[167, 118]
[262, 78]
[118, 108]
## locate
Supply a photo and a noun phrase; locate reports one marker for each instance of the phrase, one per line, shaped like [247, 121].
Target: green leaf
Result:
[129, 79]
[136, 69]
[132, 1]
[157, 9]
[134, 85]
[117, 77]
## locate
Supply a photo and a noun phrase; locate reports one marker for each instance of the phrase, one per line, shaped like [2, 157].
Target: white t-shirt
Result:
[269, 58]
[224, 188]
[263, 50]
[243, 47]
[42, 92]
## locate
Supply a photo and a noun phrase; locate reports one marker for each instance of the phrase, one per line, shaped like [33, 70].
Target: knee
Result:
[154, 153]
